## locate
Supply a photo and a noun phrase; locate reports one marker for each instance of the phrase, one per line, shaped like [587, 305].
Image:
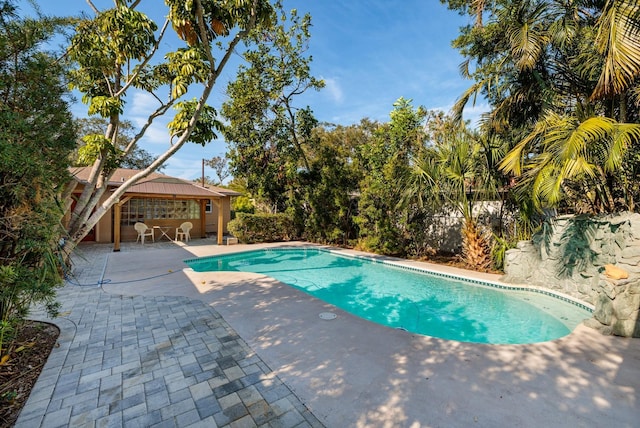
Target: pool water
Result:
[418, 302]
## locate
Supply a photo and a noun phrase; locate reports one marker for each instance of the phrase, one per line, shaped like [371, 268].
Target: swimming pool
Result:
[417, 301]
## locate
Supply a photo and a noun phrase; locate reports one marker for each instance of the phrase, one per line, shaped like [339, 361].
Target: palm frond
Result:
[625, 135]
[514, 160]
[576, 168]
[527, 44]
[463, 68]
[618, 39]
[571, 141]
[462, 102]
[563, 30]
[547, 186]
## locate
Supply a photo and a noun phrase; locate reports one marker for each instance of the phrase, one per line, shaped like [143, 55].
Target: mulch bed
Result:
[453, 261]
[19, 373]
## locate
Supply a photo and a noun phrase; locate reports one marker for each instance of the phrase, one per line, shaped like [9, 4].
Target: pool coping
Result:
[402, 263]
[351, 372]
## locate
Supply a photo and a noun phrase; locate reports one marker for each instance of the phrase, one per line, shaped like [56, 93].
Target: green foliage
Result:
[382, 217]
[499, 250]
[207, 122]
[186, 66]
[221, 17]
[102, 45]
[562, 80]
[94, 146]
[36, 139]
[452, 175]
[252, 228]
[268, 134]
[105, 106]
[587, 152]
[243, 204]
[332, 183]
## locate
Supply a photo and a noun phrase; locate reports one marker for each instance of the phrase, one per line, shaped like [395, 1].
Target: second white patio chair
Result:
[182, 232]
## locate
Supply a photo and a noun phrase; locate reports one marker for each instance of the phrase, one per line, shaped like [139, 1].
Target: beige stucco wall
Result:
[211, 218]
[104, 228]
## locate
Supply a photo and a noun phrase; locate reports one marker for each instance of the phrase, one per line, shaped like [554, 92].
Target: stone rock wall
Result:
[571, 259]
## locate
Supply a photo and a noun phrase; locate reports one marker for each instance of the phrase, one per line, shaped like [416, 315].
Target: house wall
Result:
[129, 234]
[103, 229]
[211, 219]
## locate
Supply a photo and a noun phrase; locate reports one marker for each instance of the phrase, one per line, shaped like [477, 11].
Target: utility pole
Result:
[202, 172]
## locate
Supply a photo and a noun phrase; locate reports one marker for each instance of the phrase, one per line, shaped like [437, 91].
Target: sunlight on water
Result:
[417, 302]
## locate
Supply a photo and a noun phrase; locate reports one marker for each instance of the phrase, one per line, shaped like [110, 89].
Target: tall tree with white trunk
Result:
[117, 53]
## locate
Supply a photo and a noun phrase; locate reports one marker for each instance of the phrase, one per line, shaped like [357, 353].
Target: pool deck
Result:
[346, 372]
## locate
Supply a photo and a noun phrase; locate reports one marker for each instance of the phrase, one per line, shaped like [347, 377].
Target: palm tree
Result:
[618, 40]
[562, 79]
[454, 175]
[584, 152]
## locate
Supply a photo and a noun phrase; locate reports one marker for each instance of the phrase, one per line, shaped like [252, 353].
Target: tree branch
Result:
[145, 62]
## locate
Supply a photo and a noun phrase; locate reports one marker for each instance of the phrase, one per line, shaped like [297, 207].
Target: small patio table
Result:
[163, 231]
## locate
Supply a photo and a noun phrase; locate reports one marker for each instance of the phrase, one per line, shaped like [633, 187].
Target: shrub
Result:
[37, 137]
[252, 228]
[243, 204]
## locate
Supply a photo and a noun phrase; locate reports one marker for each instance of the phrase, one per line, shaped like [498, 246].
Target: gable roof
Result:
[157, 184]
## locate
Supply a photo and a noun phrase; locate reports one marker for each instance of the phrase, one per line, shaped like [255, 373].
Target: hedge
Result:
[252, 228]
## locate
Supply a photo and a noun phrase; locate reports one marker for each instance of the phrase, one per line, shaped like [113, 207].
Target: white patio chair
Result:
[143, 230]
[182, 232]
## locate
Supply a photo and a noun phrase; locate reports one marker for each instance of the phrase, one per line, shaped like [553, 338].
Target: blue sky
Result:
[369, 53]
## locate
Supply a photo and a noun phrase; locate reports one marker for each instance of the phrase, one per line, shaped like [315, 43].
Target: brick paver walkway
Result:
[153, 362]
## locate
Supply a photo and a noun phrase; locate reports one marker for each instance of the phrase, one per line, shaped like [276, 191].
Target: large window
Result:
[136, 210]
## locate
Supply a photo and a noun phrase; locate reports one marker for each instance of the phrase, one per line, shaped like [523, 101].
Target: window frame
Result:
[148, 209]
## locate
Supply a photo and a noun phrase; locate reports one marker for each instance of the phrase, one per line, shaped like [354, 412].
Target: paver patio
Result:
[152, 361]
[167, 332]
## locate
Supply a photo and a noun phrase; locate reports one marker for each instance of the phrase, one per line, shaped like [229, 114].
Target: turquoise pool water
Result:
[418, 302]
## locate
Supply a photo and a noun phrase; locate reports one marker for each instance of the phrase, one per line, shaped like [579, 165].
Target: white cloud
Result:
[472, 113]
[143, 103]
[156, 135]
[333, 89]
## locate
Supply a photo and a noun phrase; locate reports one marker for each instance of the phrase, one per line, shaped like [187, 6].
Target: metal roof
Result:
[157, 184]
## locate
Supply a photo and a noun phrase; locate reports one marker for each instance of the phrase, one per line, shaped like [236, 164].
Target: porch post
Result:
[203, 218]
[218, 203]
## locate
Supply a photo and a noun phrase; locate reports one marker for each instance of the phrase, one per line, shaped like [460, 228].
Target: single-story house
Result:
[159, 200]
